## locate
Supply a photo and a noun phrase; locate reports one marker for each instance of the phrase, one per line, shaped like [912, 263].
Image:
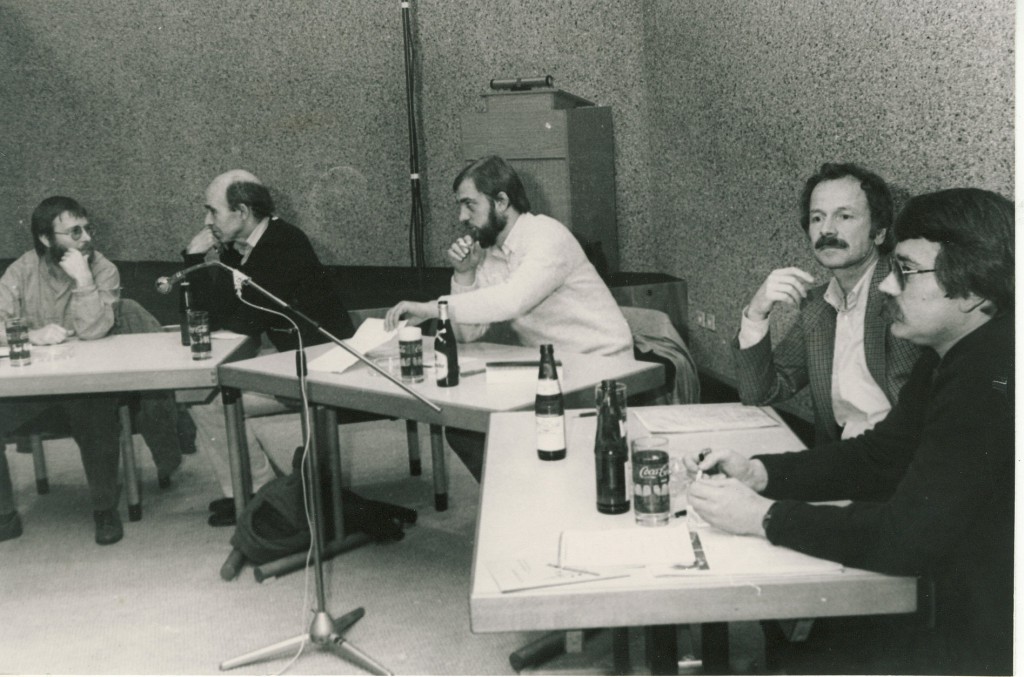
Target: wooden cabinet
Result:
[563, 148]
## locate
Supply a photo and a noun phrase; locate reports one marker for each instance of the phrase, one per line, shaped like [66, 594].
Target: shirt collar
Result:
[834, 293]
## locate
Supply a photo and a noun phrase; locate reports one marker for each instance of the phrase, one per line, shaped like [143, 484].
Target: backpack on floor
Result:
[274, 523]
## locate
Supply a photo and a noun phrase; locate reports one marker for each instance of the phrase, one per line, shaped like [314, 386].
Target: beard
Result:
[487, 236]
[56, 252]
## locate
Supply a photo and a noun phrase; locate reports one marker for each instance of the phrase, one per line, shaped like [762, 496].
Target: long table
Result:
[468, 405]
[526, 504]
[123, 363]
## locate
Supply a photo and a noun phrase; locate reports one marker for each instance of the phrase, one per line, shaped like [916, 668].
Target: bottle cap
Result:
[408, 333]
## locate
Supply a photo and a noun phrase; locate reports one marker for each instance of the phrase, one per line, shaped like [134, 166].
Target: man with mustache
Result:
[840, 344]
[522, 268]
[929, 491]
[65, 288]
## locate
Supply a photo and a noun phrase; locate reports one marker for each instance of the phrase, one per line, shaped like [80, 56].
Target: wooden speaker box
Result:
[563, 148]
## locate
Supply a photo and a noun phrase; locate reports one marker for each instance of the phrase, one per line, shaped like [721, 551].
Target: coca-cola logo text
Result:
[649, 472]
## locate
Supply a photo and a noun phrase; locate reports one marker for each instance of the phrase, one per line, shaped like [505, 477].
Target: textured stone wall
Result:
[720, 110]
[750, 97]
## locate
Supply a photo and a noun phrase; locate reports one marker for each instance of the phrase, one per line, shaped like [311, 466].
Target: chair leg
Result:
[35, 441]
[131, 478]
[413, 433]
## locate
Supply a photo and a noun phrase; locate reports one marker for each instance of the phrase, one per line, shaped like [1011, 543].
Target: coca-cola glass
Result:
[651, 498]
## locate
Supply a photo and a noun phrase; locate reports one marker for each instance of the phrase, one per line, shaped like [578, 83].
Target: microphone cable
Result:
[306, 444]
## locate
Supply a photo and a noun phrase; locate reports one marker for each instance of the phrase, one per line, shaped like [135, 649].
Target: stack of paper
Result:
[370, 334]
[517, 371]
[695, 418]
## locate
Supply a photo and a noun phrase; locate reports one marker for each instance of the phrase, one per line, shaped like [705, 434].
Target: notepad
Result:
[629, 547]
[370, 334]
[695, 418]
[526, 574]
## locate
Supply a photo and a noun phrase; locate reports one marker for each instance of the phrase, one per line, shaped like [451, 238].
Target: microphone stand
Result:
[324, 631]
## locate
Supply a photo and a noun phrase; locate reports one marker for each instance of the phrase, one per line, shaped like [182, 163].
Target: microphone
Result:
[165, 284]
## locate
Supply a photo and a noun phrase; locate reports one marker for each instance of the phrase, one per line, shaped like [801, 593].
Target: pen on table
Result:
[586, 414]
[679, 513]
[575, 571]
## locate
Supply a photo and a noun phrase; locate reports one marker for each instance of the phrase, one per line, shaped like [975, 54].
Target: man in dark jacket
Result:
[943, 459]
[241, 231]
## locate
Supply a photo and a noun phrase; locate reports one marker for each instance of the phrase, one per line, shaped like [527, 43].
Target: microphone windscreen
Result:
[164, 285]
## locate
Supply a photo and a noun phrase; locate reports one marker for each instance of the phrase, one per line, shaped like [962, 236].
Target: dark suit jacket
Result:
[804, 357]
[285, 264]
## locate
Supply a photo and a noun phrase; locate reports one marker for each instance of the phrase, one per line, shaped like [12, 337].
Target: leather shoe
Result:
[163, 481]
[222, 519]
[108, 527]
[222, 505]
[10, 526]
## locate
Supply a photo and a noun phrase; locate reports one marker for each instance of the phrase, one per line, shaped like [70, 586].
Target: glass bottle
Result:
[611, 454]
[446, 351]
[184, 305]
[549, 408]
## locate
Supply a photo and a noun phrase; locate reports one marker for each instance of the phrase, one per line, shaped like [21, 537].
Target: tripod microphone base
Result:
[324, 633]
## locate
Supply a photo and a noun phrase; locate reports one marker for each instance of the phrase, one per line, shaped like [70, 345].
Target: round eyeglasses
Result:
[75, 233]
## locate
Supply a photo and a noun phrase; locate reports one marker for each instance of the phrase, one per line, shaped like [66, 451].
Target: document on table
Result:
[752, 555]
[695, 418]
[370, 334]
[629, 547]
[529, 573]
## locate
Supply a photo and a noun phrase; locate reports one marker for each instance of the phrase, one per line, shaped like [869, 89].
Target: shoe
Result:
[163, 481]
[222, 519]
[10, 526]
[108, 527]
[222, 505]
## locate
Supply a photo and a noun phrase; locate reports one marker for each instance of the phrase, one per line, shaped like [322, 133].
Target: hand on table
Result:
[784, 285]
[728, 504]
[414, 311]
[49, 335]
[728, 463]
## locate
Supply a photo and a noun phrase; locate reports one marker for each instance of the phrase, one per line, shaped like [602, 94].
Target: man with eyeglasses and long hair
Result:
[942, 461]
[64, 288]
[839, 344]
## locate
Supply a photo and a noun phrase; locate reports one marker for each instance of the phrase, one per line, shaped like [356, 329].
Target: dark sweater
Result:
[944, 457]
[285, 264]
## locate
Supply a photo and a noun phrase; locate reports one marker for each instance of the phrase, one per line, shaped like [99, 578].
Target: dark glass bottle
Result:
[446, 352]
[184, 305]
[611, 454]
[549, 409]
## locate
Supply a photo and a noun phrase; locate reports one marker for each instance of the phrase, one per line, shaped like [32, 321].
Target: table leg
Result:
[440, 469]
[327, 418]
[238, 447]
[412, 432]
[131, 477]
[714, 648]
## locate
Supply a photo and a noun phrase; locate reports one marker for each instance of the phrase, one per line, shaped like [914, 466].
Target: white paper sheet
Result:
[635, 546]
[370, 334]
[694, 418]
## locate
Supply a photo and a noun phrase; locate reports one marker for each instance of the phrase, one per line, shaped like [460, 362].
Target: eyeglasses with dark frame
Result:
[75, 233]
[903, 273]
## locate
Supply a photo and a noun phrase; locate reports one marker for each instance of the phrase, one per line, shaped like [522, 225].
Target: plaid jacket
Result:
[804, 357]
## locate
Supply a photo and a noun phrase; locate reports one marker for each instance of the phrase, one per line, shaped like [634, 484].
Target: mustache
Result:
[891, 310]
[831, 241]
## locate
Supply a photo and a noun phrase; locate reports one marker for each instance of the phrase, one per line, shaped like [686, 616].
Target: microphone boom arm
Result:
[241, 278]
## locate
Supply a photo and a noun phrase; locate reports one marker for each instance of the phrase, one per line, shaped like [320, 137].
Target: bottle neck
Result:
[442, 312]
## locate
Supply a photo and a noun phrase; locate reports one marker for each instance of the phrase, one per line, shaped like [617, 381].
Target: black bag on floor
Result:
[274, 524]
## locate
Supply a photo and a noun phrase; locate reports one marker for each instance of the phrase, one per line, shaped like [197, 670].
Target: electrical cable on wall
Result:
[416, 226]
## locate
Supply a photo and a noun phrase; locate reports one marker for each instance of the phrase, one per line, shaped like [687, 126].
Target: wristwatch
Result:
[767, 518]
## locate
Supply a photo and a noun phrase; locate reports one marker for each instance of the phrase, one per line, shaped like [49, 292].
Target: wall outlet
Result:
[709, 321]
[701, 320]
